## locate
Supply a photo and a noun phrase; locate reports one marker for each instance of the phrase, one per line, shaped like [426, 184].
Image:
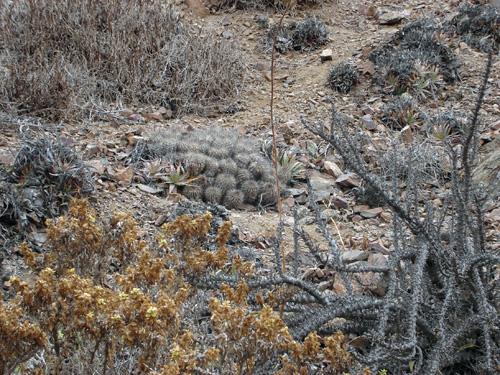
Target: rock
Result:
[295, 192]
[149, 189]
[332, 168]
[374, 281]
[322, 187]
[371, 213]
[386, 216]
[92, 149]
[368, 122]
[97, 165]
[135, 117]
[197, 8]
[348, 180]
[124, 175]
[356, 219]
[39, 238]
[338, 287]
[166, 112]
[227, 34]
[153, 116]
[326, 55]
[354, 256]
[391, 17]
[262, 21]
[340, 202]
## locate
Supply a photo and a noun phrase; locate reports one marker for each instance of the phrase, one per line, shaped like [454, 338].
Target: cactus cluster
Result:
[343, 77]
[224, 167]
[398, 63]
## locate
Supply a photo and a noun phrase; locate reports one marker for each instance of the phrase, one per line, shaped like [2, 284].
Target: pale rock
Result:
[322, 187]
[391, 17]
[332, 168]
[371, 213]
[326, 55]
[354, 256]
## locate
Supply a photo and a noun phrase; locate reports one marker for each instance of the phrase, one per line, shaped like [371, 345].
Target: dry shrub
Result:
[62, 58]
[259, 4]
[45, 173]
[102, 300]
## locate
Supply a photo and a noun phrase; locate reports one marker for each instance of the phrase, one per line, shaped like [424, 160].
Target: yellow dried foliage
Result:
[102, 292]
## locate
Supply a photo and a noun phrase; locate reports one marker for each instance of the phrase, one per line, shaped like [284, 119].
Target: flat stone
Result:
[354, 256]
[348, 180]
[149, 189]
[391, 17]
[371, 213]
[340, 202]
[332, 168]
[322, 187]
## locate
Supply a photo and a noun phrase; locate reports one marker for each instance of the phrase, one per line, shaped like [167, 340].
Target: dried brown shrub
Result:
[102, 300]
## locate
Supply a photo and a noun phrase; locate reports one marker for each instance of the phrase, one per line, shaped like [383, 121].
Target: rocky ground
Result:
[355, 28]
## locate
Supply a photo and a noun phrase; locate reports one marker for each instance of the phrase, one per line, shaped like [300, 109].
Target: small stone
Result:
[135, 117]
[354, 256]
[386, 216]
[322, 187]
[340, 202]
[149, 189]
[162, 219]
[197, 8]
[338, 287]
[296, 192]
[371, 213]
[390, 17]
[361, 207]
[97, 165]
[166, 112]
[326, 55]
[320, 273]
[375, 282]
[368, 122]
[407, 134]
[332, 168]
[356, 219]
[124, 175]
[153, 116]
[227, 34]
[92, 150]
[348, 180]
